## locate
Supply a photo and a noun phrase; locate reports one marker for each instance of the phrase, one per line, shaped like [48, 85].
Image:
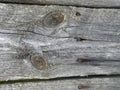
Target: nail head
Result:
[81, 86]
[78, 14]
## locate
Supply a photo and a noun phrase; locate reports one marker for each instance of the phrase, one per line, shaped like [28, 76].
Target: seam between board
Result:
[25, 80]
[74, 5]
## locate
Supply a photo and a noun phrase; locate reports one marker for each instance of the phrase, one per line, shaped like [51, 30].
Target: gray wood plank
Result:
[75, 84]
[29, 32]
[89, 3]
[92, 24]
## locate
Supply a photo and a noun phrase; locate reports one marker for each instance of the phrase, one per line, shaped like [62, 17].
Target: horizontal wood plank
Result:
[74, 84]
[26, 33]
[89, 3]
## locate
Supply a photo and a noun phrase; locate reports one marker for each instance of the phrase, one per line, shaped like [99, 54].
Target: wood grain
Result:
[86, 3]
[23, 35]
[75, 84]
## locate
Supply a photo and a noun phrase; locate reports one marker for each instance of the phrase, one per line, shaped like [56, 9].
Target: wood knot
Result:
[38, 61]
[53, 19]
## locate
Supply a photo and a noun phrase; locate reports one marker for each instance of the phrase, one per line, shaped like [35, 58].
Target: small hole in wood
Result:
[77, 14]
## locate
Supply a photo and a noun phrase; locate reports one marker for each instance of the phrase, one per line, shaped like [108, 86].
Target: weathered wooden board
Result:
[26, 33]
[91, 3]
[74, 84]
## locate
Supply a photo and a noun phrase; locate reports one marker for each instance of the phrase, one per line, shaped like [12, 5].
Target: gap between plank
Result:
[48, 4]
[59, 78]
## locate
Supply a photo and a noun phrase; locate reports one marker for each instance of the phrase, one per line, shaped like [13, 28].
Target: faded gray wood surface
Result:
[23, 34]
[91, 3]
[79, 84]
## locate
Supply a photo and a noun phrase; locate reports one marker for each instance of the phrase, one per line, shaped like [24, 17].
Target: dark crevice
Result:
[94, 60]
[60, 78]
[74, 5]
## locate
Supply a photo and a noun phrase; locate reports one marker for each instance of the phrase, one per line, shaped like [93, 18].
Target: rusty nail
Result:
[80, 60]
[77, 14]
[81, 86]
[78, 39]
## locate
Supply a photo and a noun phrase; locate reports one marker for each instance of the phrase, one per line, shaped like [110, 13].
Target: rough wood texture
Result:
[88, 3]
[79, 84]
[24, 36]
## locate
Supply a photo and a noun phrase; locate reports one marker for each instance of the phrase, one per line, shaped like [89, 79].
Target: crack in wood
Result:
[50, 36]
[58, 78]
